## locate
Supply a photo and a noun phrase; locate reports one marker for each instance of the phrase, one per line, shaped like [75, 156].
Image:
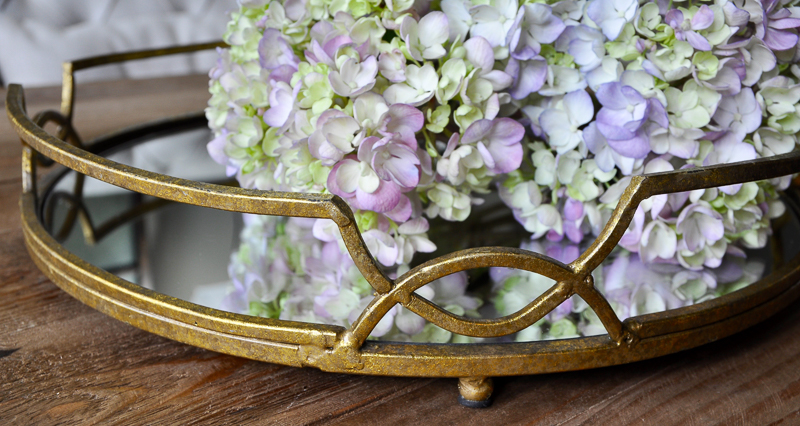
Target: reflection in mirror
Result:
[175, 249]
[298, 269]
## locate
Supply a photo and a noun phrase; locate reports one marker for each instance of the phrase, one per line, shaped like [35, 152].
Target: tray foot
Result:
[475, 392]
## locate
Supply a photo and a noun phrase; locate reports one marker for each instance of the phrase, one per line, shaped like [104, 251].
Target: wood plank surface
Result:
[64, 363]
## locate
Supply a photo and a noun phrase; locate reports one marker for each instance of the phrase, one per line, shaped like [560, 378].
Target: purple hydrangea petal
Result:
[382, 246]
[610, 95]
[480, 53]
[476, 131]
[636, 147]
[507, 131]
[606, 17]
[404, 172]
[486, 155]
[283, 73]
[712, 228]
[507, 157]
[674, 18]
[451, 144]
[551, 25]
[501, 138]
[657, 113]
[573, 231]
[699, 224]
[610, 123]
[734, 16]
[785, 23]
[632, 96]
[779, 40]
[573, 209]
[630, 240]
[402, 211]
[697, 41]
[281, 101]
[404, 120]
[703, 18]
[529, 76]
[383, 199]
[216, 149]
[274, 50]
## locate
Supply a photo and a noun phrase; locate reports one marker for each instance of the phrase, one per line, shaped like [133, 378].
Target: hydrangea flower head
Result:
[416, 110]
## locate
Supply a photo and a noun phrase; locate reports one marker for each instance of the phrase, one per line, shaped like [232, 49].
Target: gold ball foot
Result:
[475, 392]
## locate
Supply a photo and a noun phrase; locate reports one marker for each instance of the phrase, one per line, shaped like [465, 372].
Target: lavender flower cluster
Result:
[631, 286]
[634, 88]
[282, 271]
[412, 109]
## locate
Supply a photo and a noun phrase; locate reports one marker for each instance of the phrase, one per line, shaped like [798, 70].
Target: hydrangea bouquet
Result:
[415, 110]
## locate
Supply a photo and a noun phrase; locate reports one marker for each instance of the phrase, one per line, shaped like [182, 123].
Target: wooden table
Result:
[64, 363]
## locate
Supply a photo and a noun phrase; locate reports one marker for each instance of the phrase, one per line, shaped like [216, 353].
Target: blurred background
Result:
[36, 36]
[179, 250]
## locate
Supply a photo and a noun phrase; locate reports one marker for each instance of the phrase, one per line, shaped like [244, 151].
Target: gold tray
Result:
[346, 350]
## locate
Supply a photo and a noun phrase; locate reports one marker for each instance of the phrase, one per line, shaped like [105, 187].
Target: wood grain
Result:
[64, 363]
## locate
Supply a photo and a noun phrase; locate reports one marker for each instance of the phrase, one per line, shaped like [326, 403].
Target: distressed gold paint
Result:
[334, 348]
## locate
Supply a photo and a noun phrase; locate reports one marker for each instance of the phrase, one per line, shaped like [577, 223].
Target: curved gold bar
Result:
[493, 327]
[333, 348]
[168, 187]
[461, 261]
[281, 342]
[323, 206]
[69, 68]
[614, 229]
[122, 299]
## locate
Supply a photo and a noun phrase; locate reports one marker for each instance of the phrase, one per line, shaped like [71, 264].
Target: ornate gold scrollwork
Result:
[335, 348]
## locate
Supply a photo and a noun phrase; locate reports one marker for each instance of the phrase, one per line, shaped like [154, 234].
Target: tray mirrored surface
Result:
[225, 261]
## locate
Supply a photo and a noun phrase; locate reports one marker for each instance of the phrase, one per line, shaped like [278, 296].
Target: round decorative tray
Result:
[339, 349]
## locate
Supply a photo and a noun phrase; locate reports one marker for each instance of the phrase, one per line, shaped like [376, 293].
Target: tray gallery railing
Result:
[339, 349]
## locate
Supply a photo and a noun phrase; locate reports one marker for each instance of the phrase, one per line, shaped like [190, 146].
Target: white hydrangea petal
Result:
[400, 94]
[339, 307]
[434, 29]
[348, 175]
